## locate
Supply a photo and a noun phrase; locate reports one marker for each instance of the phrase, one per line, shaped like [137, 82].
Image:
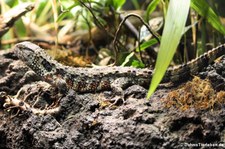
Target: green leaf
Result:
[203, 9]
[117, 4]
[174, 26]
[147, 44]
[151, 7]
[66, 12]
[43, 8]
[63, 15]
[20, 28]
[128, 59]
[11, 3]
[136, 4]
[137, 64]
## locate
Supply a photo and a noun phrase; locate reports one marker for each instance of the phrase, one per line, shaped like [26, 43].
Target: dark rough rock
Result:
[14, 74]
[82, 122]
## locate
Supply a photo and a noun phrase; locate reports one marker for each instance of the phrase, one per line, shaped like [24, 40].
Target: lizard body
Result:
[104, 78]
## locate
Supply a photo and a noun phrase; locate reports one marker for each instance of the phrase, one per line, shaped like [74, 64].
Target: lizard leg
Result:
[61, 85]
[117, 89]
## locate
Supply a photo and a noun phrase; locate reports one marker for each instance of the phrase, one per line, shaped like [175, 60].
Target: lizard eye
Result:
[28, 49]
[31, 51]
[27, 46]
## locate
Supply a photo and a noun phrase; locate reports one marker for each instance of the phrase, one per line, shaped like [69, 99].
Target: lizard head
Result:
[37, 59]
[26, 51]
[33, 56]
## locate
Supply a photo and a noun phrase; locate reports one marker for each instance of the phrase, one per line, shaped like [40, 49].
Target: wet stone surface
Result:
[83, 121]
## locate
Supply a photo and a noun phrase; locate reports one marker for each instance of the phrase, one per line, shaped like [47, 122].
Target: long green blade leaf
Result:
[174, 26]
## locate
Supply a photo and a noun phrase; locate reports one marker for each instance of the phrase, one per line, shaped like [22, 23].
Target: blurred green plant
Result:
[58, 17]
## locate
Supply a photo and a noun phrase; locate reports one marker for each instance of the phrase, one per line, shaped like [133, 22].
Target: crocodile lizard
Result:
[113, 78]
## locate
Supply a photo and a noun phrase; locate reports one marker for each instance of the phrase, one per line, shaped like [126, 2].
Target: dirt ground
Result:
[87, 120]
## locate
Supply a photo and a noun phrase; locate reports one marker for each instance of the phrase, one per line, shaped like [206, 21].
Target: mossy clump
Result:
[197, 94]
